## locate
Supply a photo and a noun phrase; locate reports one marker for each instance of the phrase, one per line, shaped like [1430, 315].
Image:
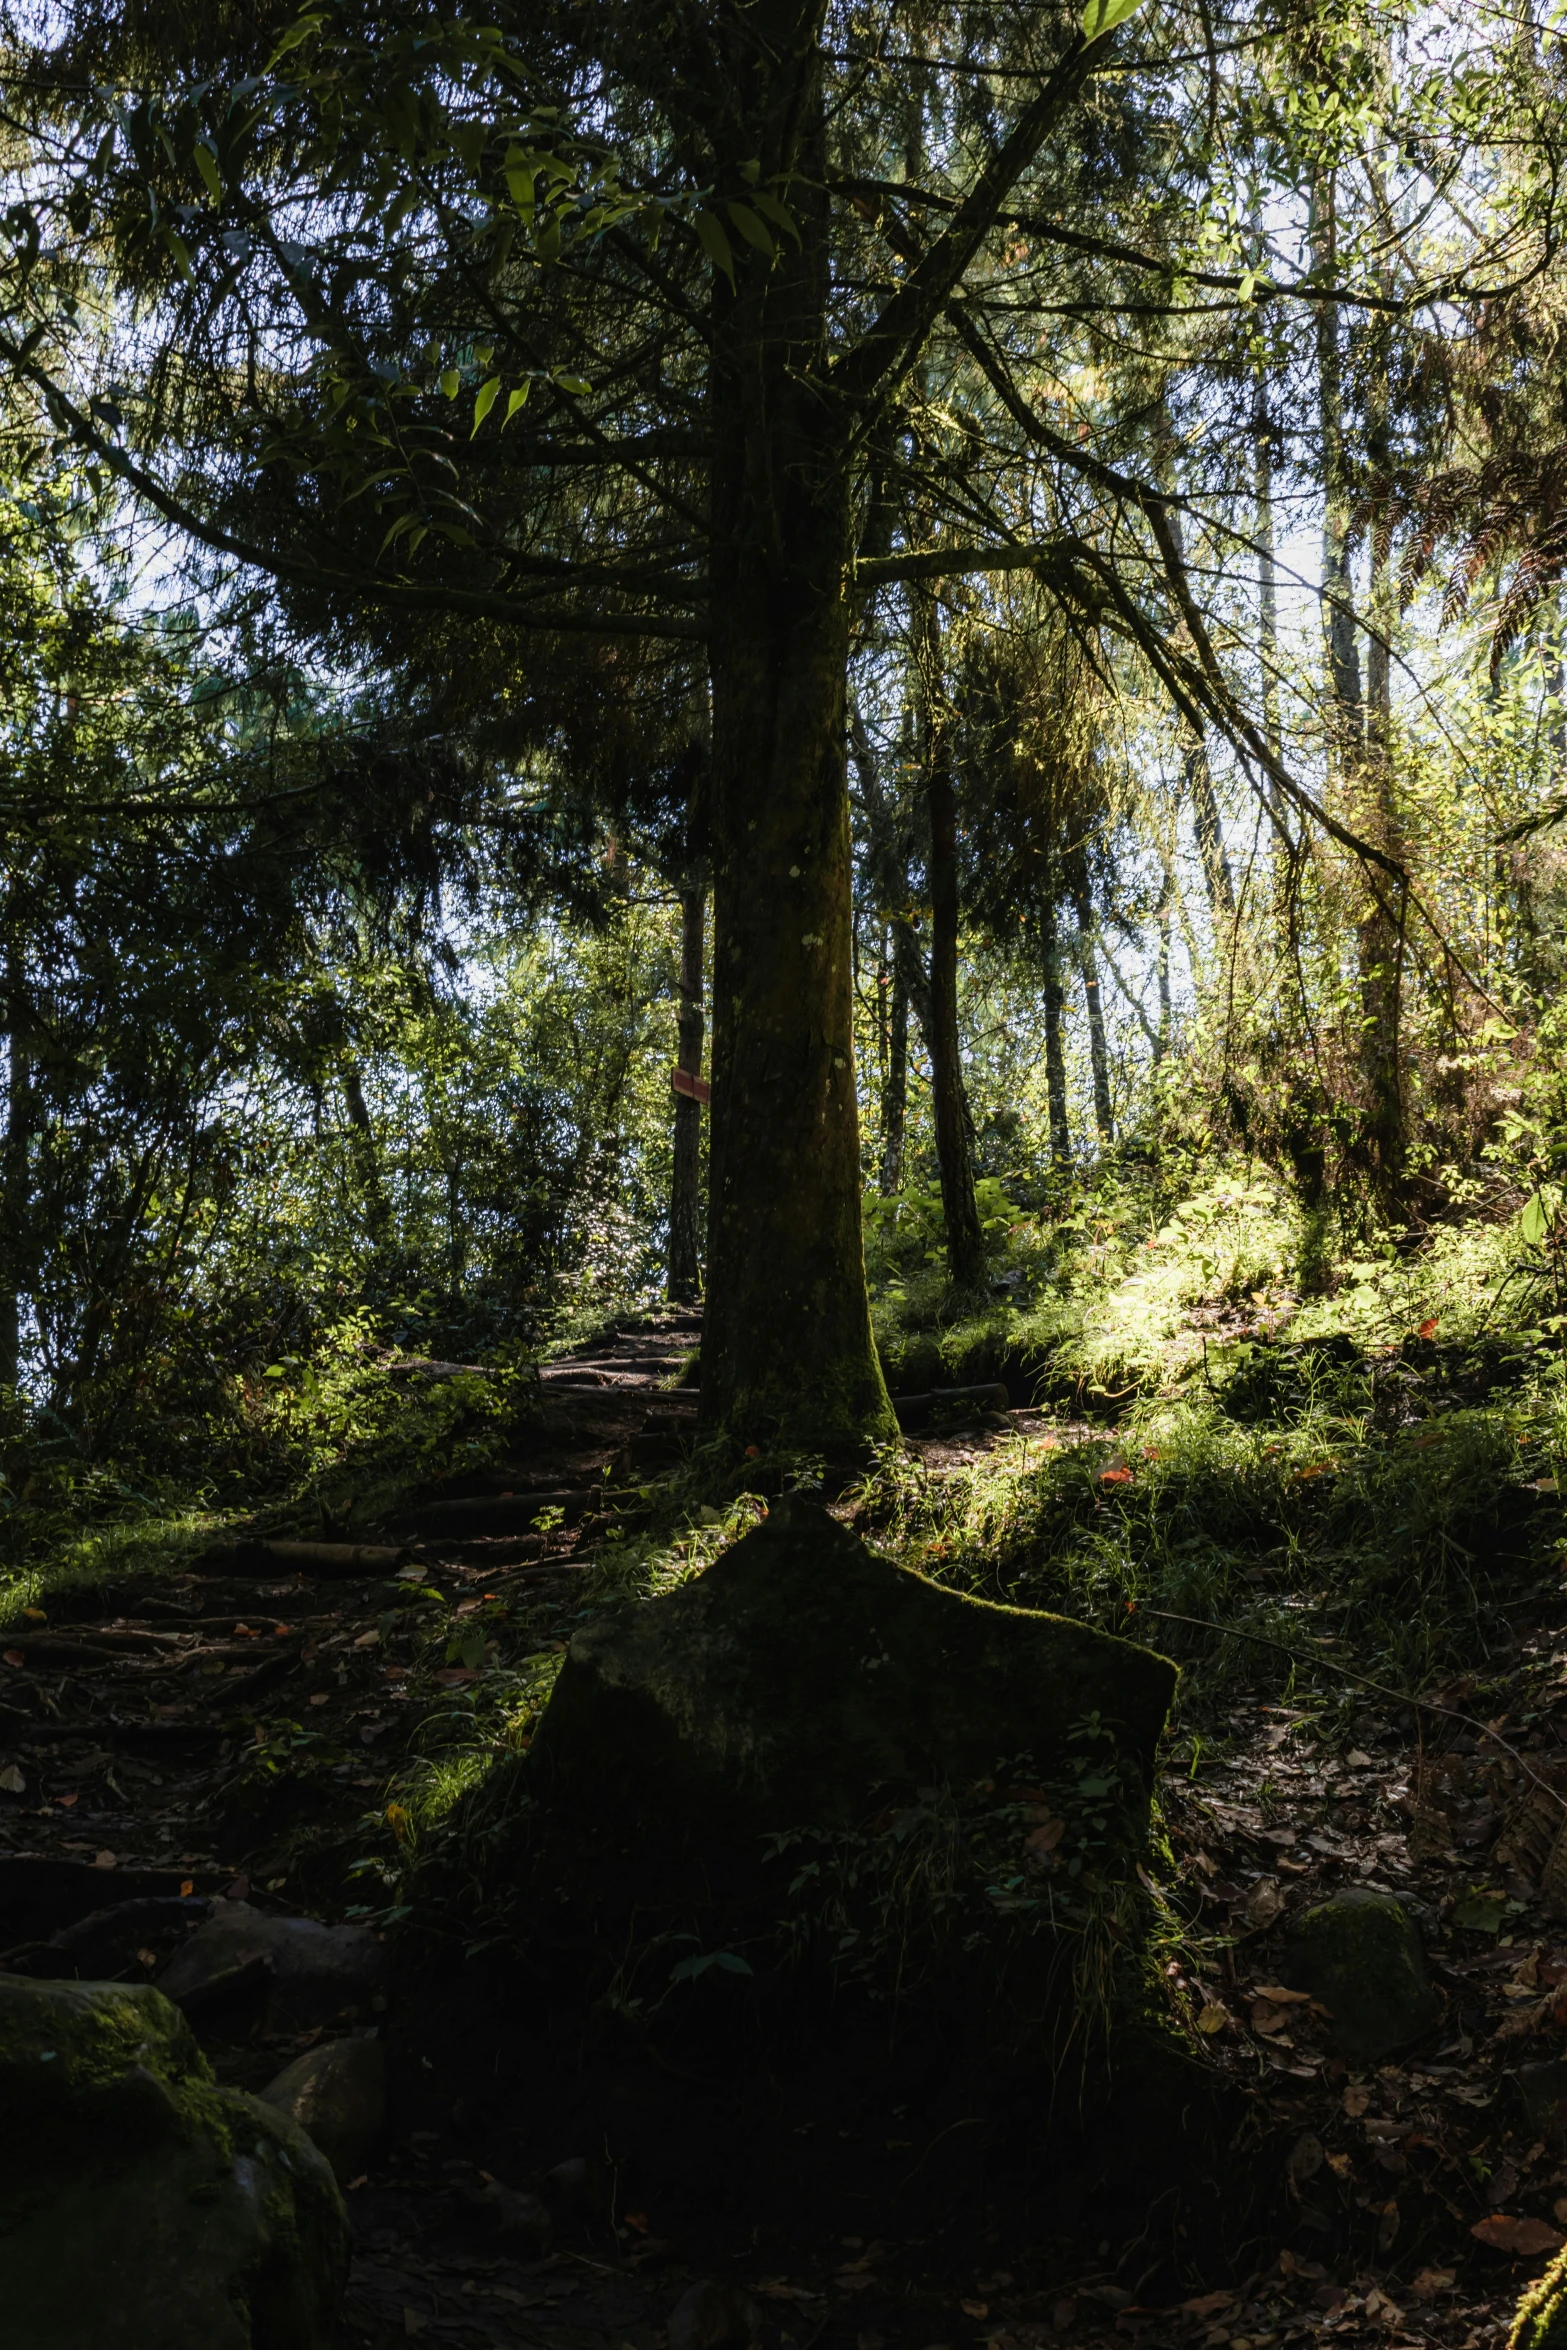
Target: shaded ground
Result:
[232, 1729]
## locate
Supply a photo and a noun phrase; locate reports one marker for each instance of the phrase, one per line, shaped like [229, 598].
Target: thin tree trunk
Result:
[895, 1087]
[1210, 832]
[1098, 1053]
[15, 1157]
[685, 1257]
[954, 1158]
[1380, 946]
[367, 1159]
[1166, 897]
[1338, 619]
[1055, 1008]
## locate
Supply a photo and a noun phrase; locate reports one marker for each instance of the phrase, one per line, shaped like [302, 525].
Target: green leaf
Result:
[514, 400]
[778, 214]
[484, 401]
[715, 244]
[752, 229]
[300, 30]
[207, 165]
[1535, 1220]
[1102, 16]
[451, 383]
[577, 385]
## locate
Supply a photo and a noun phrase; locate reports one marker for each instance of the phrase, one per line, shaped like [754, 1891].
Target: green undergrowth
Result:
[331, 1445]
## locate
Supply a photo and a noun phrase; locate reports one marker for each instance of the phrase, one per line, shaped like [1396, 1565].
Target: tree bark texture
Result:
[1055, 1012]
[685, 1191]
[949, 1107]
[1098, 1051]
[895, 1084]
[787, 1349]
[1380, 943]
[15, 1155]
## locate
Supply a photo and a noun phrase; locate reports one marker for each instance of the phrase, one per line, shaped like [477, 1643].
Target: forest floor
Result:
[231, 1730]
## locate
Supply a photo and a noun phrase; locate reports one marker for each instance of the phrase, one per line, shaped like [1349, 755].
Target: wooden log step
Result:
[949, 1403]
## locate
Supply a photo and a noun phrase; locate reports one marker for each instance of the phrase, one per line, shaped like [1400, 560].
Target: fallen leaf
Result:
[1115, 1476]
[12, 1781]
[1206, 2304]
[105, 1860]
[1340, 2165]
[1430, 2282]
[187, 1888]
[1046, 1838]
[1305, 2157]
[14, 1658]
[975, 2308]
[147, 1958]
[370, 1639]
[640, 2221]
[1358, 1761]
[1212, 2018]
[1504, 2234]
[324, 1697]
[1356, 2098]
[1543, 1485]
[1428, 1328]
[35, 1615]
[1265, 1902]
[1279, 1995]
[1278, 1835]
[1265, 2017]
[1559, 2207]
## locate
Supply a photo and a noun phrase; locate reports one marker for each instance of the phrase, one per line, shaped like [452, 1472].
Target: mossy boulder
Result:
[1359, 1954]
[141, 2206]
[1541, 2322]
[802, 1679]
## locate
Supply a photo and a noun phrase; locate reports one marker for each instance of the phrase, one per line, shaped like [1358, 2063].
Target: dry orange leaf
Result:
[1504, 2234]
[187, 1888]
[1428, 1328]
[1115, 1476]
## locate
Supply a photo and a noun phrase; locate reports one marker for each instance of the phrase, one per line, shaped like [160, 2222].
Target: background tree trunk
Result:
[15, 1156]
[895, 1087]
[954, 1155]
[685, 1257]
[1055, 1011]
[1098, 1051]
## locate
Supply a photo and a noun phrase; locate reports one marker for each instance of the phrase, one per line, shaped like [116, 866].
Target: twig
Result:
[1378, 1688]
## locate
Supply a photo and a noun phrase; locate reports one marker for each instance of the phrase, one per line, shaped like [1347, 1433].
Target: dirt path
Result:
[225, 1731]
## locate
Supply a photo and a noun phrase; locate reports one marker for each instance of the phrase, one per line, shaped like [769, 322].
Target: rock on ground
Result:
[1359, 1953]
[141, 2206]
[337, 2095]
[802, 1675]
[309, 1973]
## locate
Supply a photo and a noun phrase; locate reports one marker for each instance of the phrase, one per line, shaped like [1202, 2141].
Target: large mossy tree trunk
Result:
[787, 1350]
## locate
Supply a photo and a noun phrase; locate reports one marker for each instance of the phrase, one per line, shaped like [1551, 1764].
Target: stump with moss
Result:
[803, 1678]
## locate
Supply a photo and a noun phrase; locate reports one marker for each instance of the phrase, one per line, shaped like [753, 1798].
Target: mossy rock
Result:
[804, 1680]
[1360, 1955]
[142, 2207]
[1541, 2322]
